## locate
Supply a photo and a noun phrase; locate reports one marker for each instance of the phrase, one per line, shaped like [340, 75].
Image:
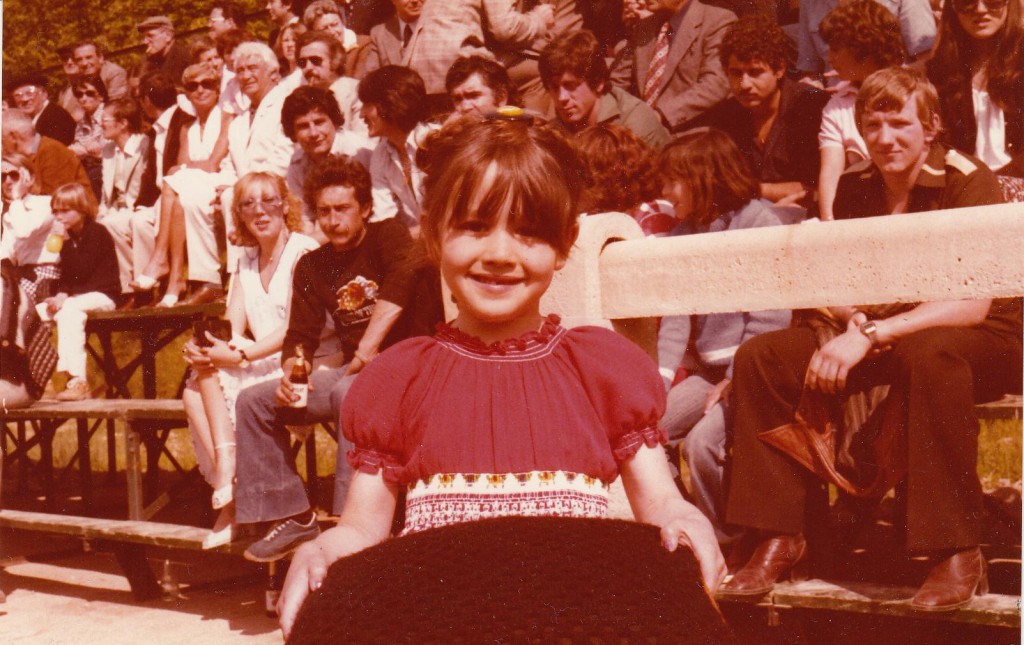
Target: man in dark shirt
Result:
[372, 281]
[773, 120]
[937, 358]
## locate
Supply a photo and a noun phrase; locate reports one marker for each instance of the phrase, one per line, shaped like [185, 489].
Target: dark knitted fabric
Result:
[515, 580]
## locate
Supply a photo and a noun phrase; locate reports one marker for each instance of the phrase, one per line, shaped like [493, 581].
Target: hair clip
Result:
[511, 113]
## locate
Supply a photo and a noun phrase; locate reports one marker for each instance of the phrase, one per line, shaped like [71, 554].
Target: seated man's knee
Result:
[928, 349]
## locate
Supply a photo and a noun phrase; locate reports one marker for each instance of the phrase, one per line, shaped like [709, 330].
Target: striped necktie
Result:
[656, 71]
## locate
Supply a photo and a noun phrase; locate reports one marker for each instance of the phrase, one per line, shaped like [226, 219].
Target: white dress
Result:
[265, 311]
[191, 184]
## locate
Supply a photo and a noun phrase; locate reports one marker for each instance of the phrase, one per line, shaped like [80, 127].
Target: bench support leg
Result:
[132, 559]
[133, 468]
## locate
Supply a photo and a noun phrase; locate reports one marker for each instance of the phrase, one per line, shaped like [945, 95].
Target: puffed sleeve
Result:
[623, 385]
[372, 412]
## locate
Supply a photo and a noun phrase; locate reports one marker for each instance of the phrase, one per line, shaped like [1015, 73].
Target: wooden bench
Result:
[156, 326]
[1008, 407]
[144, 423]
[126, 539]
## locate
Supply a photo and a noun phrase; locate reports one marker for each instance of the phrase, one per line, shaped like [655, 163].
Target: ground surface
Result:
[58, 594]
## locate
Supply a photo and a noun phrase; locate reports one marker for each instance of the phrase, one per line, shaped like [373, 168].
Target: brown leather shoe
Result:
[952, 583]
[204, 295]
[772, 559]
[127, 302]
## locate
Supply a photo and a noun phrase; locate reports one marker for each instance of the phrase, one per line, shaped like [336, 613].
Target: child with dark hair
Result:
[712, 189]
[863, 37]
[504, 412]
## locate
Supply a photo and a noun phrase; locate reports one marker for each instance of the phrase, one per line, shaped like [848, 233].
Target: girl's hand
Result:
[220, 353]
[720, 392]
[694, 531]
[307, 573]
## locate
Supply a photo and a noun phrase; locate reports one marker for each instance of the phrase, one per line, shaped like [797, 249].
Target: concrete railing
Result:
[615, 274]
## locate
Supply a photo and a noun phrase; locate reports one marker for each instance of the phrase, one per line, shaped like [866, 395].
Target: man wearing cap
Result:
[49, 119]
[163, 52]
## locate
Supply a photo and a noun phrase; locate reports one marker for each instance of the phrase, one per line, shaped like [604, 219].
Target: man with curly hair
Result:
[773, 120]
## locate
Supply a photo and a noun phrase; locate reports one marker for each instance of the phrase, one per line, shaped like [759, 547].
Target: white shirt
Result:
[24, 229]
[160, 127]
[346, 91]
[839, 123]
[990, 142]
[256, 140]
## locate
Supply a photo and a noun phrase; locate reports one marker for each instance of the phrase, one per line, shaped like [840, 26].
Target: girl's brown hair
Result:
[537, 171]
[74, 197]
[620, 169]
[252, 182]
[716, 173]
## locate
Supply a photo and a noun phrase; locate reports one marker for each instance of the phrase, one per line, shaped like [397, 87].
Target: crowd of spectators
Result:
[288, 177]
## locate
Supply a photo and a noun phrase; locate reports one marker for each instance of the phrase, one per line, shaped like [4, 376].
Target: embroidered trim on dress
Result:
[629, 443]
[451, 498]
[531, 343]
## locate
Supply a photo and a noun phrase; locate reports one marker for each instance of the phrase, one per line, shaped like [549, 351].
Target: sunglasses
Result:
[13, 175]
[970, 6]
[269, 205]
[83, 93]
[317, 61]
[208, 84]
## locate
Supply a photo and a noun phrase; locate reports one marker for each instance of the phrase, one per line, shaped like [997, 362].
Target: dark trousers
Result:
[940, 373]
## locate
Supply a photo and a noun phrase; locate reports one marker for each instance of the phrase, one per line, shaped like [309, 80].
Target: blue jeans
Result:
[268, 487]
[703, 439]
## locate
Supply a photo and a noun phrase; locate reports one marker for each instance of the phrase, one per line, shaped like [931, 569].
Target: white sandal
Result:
[144, 282]
[169, 300]
[225, 494]
[219, 538]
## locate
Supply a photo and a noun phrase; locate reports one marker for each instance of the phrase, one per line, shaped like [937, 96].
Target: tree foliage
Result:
[33, 30]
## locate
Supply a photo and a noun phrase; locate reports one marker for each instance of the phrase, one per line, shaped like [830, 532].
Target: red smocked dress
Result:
[536, 425]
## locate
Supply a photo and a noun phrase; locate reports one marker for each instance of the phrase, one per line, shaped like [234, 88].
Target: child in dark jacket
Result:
[88, 281]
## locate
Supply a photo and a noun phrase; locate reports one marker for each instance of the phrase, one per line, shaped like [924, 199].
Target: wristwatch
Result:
[870, 329]
[244, 363]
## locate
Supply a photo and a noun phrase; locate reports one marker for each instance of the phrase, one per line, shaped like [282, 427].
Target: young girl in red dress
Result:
[503, 412]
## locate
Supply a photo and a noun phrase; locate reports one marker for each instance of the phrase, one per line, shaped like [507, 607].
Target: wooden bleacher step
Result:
[174, 536]
[997, 610]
